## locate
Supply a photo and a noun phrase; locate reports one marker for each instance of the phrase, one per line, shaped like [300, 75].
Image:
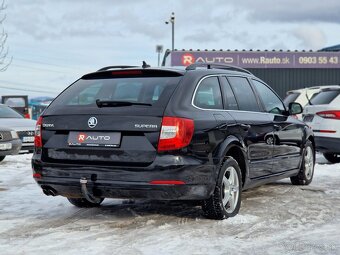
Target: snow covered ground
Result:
[274, 219]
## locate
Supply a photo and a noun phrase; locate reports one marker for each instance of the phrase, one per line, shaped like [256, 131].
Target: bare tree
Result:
[4, 60]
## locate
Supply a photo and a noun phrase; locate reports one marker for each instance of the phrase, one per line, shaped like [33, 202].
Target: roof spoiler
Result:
[106, 68]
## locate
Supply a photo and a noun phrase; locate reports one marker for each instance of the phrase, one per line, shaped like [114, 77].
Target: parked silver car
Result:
[9, 118]
[10, 144]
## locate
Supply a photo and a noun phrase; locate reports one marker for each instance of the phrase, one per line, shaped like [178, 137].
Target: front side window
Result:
[271, 102]
[208, 94]
[244, 94]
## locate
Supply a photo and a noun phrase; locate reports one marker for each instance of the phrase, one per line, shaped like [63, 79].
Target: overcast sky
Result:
[54, 42]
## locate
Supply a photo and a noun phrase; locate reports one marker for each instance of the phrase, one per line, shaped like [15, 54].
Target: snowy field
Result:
[274, 219]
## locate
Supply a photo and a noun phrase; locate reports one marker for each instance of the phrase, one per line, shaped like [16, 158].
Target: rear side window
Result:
[325, 97]
[149, 90]
[245, 96]
[208, 94]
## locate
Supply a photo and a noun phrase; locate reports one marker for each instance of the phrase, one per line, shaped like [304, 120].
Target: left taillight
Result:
[176, 133]
[37, 136]
[329, 114]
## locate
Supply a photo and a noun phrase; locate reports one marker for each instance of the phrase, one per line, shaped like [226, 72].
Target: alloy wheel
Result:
[230, 189]
[309, 163]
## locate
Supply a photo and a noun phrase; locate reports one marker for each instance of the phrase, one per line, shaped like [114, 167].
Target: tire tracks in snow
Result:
[40, 227]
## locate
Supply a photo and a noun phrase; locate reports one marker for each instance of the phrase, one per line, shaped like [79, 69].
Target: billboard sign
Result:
[258, 59]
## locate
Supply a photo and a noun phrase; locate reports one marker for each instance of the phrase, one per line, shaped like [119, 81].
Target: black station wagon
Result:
[205, 133]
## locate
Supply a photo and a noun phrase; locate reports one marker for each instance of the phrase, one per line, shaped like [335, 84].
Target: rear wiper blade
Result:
[110, 103]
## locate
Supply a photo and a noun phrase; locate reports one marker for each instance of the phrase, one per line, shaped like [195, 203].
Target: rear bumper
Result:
[130, 182]
[327, 144]
[130, 190]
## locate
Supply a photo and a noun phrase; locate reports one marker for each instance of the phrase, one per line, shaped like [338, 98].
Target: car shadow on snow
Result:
[189, 210]
[144, 208]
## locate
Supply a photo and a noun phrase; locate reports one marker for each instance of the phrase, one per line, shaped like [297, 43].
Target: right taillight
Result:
[37, 136]
[329, 114]
[176, 133]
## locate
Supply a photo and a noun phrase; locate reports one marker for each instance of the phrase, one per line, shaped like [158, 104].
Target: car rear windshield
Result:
[15, 102]
[7, 112]
[325, 97]
[291, 97]
[154, 91]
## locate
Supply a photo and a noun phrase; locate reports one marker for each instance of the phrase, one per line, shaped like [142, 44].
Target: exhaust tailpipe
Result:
[48, 191]
[53, 192]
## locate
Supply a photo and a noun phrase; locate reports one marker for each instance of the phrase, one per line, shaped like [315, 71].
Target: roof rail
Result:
[114, 67]
[216, 66]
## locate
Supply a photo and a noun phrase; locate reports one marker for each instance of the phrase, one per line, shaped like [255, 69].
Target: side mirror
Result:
[295, 108]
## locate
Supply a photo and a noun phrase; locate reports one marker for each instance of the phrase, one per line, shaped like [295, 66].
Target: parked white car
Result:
[25, 128]
[302, 96]
[10, 144]
[323, 116]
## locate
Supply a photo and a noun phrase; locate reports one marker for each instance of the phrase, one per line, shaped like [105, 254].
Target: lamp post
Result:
[172, 21]
[159, 50]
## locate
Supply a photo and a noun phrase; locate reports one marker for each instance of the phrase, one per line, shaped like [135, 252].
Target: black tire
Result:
[332, 157]
[83, 202]
[2, 158]
[213, 207]
[270, 140]
[306, 173]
